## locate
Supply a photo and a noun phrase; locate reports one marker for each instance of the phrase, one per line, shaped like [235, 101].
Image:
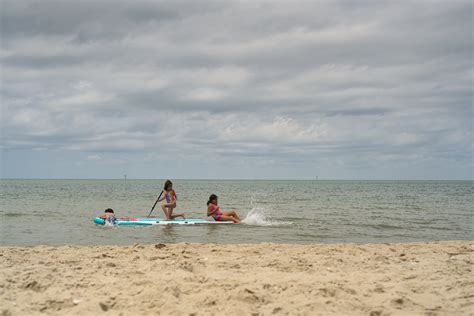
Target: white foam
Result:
[258, 217]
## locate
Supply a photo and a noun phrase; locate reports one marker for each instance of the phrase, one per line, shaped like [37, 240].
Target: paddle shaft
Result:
[155, 203]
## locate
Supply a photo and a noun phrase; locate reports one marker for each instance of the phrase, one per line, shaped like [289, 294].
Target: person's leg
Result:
[225, 218]
[165, 210]
[178, 215]
[236, 216]
[171, 207]
[232, 214]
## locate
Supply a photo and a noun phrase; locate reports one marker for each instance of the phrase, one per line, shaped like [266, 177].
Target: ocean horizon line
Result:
[246, 179]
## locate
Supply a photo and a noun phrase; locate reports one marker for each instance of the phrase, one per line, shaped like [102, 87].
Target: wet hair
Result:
[109, 210]
[168, 184]
[212, 197]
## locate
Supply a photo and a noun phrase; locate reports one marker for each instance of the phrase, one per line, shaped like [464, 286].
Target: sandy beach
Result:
[433, 278]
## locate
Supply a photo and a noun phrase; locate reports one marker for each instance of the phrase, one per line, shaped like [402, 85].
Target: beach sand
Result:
[433, 278]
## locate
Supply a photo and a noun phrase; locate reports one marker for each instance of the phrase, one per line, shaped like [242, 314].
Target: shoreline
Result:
[239, 279]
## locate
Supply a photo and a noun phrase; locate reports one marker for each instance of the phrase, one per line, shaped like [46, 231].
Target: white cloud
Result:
[278, 130]
[204, 94]
[94, 157]
[336, 82]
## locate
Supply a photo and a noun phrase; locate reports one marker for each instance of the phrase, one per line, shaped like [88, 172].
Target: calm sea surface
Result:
[58, 212]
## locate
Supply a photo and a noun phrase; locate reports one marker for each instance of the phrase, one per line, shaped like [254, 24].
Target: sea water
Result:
[59, 212]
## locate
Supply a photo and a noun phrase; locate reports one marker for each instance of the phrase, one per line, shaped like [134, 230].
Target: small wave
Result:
[15, 214]
[382, 226]
[257, 217]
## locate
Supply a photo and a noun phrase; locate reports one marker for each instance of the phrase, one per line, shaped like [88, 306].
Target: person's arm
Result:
[175, 198]
[210, 210]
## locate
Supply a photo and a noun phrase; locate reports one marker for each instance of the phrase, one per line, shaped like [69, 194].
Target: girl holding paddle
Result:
[168, 201]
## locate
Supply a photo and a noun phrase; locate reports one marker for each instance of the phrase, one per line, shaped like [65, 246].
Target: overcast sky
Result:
[227, 89]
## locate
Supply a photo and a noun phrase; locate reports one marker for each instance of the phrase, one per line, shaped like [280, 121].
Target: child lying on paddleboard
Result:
[214, 210]
[109, 216]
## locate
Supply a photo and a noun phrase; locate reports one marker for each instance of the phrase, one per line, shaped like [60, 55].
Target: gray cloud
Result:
[341, 84]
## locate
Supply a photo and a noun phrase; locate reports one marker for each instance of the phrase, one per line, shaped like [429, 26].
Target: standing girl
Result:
[214, 210]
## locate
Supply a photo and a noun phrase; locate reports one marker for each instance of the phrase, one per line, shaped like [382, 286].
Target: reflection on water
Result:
[169, 233]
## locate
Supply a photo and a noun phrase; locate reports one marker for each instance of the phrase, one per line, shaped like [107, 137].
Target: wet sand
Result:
[247, 279]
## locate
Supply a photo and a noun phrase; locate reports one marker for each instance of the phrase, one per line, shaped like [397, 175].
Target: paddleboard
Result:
[145, 221]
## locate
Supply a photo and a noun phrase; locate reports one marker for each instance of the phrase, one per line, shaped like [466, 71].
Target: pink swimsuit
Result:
[168, 198]
[217, 214]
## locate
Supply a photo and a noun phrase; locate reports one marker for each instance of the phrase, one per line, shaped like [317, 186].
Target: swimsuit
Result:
[217, 214]
[110, 219]
[168, 199]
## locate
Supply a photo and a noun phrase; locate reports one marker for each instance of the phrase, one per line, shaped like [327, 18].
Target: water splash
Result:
[258, 217]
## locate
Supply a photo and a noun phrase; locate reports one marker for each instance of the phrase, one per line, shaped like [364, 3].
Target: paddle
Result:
[155, 203]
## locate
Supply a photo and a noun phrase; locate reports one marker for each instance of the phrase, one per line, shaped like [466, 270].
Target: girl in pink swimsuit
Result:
[214, 210]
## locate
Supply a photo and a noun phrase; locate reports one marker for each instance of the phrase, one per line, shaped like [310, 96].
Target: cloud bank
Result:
[260, 89]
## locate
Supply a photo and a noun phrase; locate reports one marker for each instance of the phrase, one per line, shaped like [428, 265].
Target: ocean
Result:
[60, 212]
